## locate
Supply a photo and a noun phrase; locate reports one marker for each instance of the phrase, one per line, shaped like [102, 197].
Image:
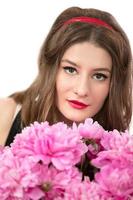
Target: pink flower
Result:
[40, 164]
[9, 176]
[90, 129]
[18, 177]
[116, 173]
[56, 182]
[53, 184]
[85, 190]
[92, 133]
[117, 140]
[93, 149]
[55, 144]
[77, 191]
[26, 180]
[116, 182]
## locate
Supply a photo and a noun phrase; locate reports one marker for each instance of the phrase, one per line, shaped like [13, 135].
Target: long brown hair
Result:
[38, 100]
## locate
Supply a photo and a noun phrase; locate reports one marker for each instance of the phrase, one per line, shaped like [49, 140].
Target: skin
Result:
[7, 110]
[84, 75]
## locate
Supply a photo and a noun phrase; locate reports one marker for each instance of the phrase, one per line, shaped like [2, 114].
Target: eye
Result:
[100, 76]
[70, 70]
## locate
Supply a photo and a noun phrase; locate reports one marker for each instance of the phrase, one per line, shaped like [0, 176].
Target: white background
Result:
[24, 25]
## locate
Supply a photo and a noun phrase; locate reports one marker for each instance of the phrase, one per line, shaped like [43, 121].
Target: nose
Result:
[82, 87]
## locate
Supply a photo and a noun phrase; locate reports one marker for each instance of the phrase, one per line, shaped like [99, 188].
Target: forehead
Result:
[86, 53]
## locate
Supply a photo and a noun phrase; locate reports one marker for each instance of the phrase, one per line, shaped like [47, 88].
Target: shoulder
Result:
[7, 106]
[7, 110]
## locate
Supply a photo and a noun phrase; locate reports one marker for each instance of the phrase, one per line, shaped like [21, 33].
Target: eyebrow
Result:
[70, 62]
[96, 69]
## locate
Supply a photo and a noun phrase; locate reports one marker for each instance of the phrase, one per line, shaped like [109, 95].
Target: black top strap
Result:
[15, 129]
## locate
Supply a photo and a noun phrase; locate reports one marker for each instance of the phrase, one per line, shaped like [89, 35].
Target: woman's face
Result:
[83, 81]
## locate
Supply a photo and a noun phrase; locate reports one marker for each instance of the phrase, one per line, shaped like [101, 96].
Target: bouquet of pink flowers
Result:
[42, 163]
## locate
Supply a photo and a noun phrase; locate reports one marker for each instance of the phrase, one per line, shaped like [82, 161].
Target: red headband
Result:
[88, 20]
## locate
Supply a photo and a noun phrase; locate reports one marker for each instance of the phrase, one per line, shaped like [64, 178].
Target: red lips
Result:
[77, 104]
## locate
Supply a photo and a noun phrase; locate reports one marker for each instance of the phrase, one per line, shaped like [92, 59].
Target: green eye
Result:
[100, 76]
[70, 70]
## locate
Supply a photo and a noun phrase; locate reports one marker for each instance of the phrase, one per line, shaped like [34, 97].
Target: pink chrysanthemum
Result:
[55, 144]
[116, 173]
[117, 140]
[40, 164]
[85, 190]
[10, 176]
[90, 129]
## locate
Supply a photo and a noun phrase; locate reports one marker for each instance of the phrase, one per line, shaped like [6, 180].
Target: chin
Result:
[71, 117]
[77, 120]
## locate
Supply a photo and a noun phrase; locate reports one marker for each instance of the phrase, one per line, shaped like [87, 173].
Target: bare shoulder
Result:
[7, 105]
[7, 101]
[7, 110]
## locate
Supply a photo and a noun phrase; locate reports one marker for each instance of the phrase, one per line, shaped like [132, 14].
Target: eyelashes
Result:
[96, 75]
[70, 70]
[100, 76]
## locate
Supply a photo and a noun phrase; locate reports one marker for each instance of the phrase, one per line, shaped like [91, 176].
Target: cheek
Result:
[105, 93]
[58, 82]
[58, 91]
[61, 87]
[63, 84]
[101, 94]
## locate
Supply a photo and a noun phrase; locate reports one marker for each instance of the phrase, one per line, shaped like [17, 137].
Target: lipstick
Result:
[77, 104]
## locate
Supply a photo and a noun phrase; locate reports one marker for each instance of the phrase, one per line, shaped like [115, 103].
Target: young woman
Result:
[85, 70]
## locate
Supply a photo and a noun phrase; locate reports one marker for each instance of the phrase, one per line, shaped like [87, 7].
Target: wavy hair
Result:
[38, 100]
